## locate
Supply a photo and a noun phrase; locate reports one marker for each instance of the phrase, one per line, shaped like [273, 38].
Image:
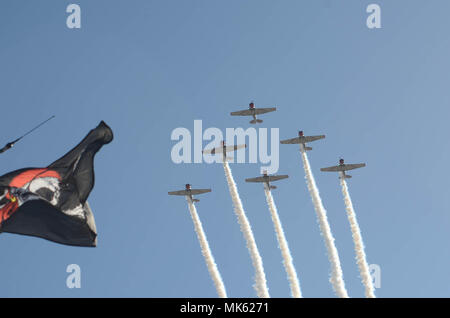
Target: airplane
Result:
[267, 179]
[342, 167]
[190, 192]
[253, 111]
[224, 149]
[302, 139]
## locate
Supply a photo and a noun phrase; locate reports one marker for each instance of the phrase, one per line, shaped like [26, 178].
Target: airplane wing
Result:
[344, 167]
[213, 151]
[247, 112]
[181, 192]
[280, 177]
[200, 191]
[334, 168]
[259, 111]
[210, 151]
[354, 166]
[313, 138]
[295, 140]
[257, 179]
[234, 148]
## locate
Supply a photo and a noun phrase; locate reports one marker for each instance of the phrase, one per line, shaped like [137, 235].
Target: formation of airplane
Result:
[265, 178]
[302, 139]
[253, 111]
[188, 191]
[223, 149]
[342, 167]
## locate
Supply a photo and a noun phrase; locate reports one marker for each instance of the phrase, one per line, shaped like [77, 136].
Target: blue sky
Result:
[148, 67]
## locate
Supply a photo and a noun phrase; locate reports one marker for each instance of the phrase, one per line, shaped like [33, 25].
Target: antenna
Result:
[9, 145]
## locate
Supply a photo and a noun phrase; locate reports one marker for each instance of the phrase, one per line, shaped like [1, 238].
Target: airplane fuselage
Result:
[188, 190]
[192, 197]
[303, 146]
[267, 182]
[253, 113]
[342, 175]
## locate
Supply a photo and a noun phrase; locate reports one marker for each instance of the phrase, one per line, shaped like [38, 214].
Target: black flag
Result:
[51, 202]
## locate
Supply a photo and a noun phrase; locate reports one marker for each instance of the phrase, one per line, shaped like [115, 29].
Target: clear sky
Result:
[148, 67]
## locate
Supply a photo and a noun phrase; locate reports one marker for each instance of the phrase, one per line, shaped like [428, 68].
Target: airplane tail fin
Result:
[308, 148]
[346, 176]
[256, 121]
[195, 200]
[272, 187]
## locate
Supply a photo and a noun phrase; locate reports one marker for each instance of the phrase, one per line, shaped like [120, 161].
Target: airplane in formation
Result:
[253, 111]
[223, 149]
[342, 167]
[265, 178]
[302, 139]
[188, 191]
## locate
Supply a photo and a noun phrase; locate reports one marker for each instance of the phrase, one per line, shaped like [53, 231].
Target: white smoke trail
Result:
[359, 245]
[282, 242]
[206, 251]
[336, 279]
[260, 277]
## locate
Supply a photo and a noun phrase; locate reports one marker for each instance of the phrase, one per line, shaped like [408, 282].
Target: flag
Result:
[51, 202]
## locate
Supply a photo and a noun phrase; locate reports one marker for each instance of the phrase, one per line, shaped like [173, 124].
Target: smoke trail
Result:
[206, 251]
[282, 242]
[336, 279]
[260, 278]
[357, 239]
